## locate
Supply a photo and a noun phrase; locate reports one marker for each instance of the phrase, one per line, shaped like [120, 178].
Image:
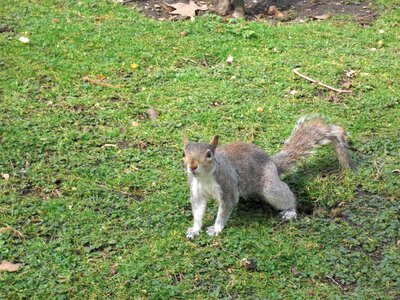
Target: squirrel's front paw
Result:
[212, 231]
[191, 233]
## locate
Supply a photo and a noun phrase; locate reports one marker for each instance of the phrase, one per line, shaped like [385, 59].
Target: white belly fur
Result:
[206, 186]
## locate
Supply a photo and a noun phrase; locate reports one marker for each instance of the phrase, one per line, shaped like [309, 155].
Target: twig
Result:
[100, 83]
[334, 281]
[205, 63]
[296, 71]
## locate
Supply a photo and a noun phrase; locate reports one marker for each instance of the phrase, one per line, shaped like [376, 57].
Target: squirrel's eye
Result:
[184, 153]
[208, 155]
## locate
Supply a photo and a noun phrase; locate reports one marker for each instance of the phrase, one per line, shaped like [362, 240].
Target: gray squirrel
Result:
[243, 170]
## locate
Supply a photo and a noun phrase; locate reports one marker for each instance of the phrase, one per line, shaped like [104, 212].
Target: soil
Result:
[360, 11]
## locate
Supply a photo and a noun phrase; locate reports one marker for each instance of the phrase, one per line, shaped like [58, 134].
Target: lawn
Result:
[93, 197]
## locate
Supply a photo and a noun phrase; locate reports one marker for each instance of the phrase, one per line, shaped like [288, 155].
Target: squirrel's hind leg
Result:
[279, 196]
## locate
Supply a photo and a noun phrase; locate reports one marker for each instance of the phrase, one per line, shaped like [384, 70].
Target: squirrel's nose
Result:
[193, 168]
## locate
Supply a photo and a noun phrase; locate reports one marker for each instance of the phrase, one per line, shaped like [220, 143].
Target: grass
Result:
[95, 207]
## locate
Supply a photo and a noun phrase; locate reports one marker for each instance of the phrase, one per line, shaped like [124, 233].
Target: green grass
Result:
[101, 221]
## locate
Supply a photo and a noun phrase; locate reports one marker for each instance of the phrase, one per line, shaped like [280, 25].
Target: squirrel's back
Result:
[249, 162]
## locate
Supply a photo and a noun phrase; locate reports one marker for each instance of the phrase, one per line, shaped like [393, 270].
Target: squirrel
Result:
[243, 170]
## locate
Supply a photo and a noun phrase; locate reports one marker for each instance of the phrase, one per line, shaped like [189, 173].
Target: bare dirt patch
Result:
[360, 11]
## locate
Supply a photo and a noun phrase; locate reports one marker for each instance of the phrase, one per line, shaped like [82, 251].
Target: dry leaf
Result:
[322, 17]
[333, 97]
[275, 12]
[13, 231]
[229, 60]
[186, 9]
[100, 77]
[9, 266]
[167, 8]
[260, 109]
[135, 124]
[152, 113]
[142, 145]
[5, 176]
[56, 192]
[112, 270]
[346, 84]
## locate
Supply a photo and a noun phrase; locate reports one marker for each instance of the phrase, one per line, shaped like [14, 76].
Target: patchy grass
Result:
[98, 207]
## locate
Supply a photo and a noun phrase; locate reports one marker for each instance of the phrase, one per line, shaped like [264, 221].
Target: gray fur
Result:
[243, 170]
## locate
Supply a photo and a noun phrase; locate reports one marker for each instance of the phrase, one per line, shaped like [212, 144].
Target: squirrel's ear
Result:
[185, 140]
[214, 142]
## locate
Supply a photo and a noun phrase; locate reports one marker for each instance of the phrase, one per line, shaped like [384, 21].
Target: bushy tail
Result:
[308, 134]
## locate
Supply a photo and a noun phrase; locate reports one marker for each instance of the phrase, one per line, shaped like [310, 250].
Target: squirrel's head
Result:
[199, 158]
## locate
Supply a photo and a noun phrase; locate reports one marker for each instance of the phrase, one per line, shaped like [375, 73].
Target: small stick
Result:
[334, 281]
[99, 83]
[296, 71]
[205, 63]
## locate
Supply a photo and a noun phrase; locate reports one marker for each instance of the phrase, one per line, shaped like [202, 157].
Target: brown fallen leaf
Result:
[334, 97]
[275, 12]
[322, 17]
[142, 145]
[186, 9]
[112, 270]
[346, 84]
[294, 271]
[152, 113]
[56, 192]
[9, 266]
[167, 8]
[12, 230]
